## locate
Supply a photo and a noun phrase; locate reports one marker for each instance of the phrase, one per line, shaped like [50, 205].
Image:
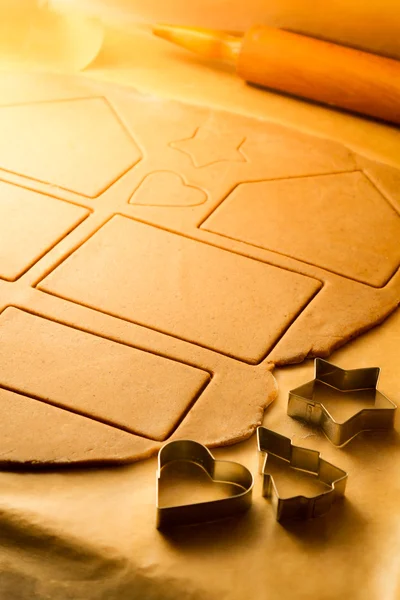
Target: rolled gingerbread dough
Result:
[158, 259]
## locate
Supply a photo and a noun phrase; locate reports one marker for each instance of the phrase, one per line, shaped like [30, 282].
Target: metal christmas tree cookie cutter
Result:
[306, 460]
[303, 405]
[219, 471]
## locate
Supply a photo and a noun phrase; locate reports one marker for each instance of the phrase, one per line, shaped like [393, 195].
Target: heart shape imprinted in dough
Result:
[165, 188]
[220, 471]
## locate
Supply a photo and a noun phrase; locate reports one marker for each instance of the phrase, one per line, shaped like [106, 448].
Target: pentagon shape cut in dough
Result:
[157, 260]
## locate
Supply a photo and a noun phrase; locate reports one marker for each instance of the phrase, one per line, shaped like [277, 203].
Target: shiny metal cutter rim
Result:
[302, 406]
[219, 470]
[304, 459]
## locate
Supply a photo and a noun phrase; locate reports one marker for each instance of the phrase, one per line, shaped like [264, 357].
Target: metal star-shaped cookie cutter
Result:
[303, 459]
[303, 403]
[224, 471]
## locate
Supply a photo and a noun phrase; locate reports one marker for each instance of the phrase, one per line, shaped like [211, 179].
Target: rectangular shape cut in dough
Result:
[94, 376]
[191, 290]
[31, 224]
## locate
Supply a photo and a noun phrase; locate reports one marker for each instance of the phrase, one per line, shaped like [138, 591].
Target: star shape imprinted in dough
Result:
[206, 147]
[307, 401]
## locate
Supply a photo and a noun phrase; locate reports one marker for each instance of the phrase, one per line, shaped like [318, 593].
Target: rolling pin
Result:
[302, 66]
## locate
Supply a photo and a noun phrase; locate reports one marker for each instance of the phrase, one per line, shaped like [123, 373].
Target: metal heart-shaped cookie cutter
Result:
[219, 470]
[304, 405]
[309, 461]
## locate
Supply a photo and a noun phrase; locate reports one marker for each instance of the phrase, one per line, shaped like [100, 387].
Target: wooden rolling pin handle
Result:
[321, 71]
